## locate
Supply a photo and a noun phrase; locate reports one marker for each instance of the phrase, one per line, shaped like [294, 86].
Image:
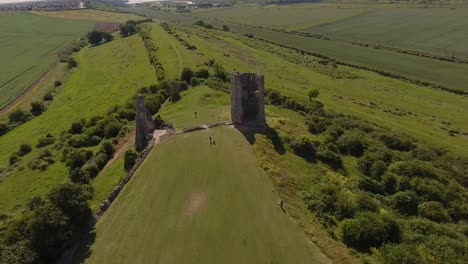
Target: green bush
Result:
[317, 125]
[17, 253]
[304, 148]
[130, 157]
[397, 141]
[220, 72]
[107, 148]
[353, 142]
[37, 108]
[77, 175]
[18, 116]
[72, 199]
[370, 185]
[186, 75]
[112, 129]
[405, 203]
[378, 169]
[365, 202]
[24, 149]
[329, 157]
[45, 141]
[390, 183]
[202, 73]
[14, 159]
[48, 96]
[4, 128]
[369, 230]
[76, 128]
[416, 168]
[328, 200]
[433, 211]
[77, 158]
[72, 63]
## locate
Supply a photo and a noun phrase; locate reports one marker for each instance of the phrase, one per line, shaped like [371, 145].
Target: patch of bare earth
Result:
[123, 145]
[195, 202]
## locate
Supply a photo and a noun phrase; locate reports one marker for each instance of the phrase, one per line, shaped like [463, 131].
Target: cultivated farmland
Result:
[29, 47]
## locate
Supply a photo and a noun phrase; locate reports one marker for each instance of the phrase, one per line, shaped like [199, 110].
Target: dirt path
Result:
[179, 56]
[32, 88]
[122, 147]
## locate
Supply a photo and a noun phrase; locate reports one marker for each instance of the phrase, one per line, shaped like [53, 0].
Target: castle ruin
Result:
[248, 101]
[144, 125]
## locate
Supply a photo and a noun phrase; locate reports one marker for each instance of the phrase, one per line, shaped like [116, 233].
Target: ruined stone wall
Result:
[144, 124]
[247, 100]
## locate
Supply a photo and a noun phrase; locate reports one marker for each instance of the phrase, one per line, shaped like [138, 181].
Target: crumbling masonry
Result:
[144, 125]
[248, 101]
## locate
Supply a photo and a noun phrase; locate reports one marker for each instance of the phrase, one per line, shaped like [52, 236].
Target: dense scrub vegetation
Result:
[144, 31]
[398, 199]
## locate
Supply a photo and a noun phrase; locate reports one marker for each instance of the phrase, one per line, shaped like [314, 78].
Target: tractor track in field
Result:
[33, 87]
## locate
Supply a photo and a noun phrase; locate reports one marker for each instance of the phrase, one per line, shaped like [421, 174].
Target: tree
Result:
[37, 108]
[24, 149]
[220, 72]
[225, 28]
[107, 36]
[202, 73]
[72, 200]
[123, 30]
[130, 157]
[186, 75]
[76, 128]
[107, 148]
[95, 37]
[312, 94]
[4, 128]
[112, 129]
[50, 232]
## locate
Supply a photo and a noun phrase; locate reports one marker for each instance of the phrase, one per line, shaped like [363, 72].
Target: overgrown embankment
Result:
[144, 31]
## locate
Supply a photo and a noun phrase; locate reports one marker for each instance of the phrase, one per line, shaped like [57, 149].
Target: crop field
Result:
[215, 206]
[292, 16]
[90, 15]
[435, 30]
[90, 90]
[29, 47]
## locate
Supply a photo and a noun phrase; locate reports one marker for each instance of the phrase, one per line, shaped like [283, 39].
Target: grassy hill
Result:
[106, 75]
[193, 202]
[29, 47]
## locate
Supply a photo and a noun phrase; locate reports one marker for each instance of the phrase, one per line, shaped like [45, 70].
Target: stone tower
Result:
[144, 125]
[248, 100]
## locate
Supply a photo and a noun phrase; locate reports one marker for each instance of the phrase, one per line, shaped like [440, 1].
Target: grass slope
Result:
[192, 202]
[29, 46]
[107, 75]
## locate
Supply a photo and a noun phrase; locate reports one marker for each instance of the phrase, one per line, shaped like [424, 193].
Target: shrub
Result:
[365, 202]
[77, 158]
[327, 199]
[90, 169]
[405, 203]
[329, 157]
[400, 253]
[202, 73]
[4, 128]
[370, 185]
[433, 211]
[57, 83]
[45, 141]
[378, 169]
[153, 103]
[14, 159]
[24, 149]
[312, 94]
[225, 28]
[317, 125]
[79, 141]
[107, 36]
[374, 154]
[37, 108]
[304, 148]
[390, 183]
[415, 168]
[18, 116]
[353, 142]
[186, 75]
[130, 158]
[72, 63]
[79, 176]
[48, 96]
[194, 81]
[158, 121]
[397, 142]
[220, 72]
[369, 230]
[275, 98]
[76, 128]
[112, 129]
[107, 148]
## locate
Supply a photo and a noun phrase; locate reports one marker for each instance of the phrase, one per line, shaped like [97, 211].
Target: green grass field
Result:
[438, 30]
[90, 15]
[191, 202]
[106, 75]
[29, 47]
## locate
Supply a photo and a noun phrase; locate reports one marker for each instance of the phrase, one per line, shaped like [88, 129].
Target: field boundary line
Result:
[30, 89]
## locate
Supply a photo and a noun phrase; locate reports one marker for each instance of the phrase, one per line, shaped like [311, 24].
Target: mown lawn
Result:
[107, 75]
[192, 202]
[28, 48]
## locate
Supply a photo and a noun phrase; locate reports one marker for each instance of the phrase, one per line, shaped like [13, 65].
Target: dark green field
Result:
[29, 47]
